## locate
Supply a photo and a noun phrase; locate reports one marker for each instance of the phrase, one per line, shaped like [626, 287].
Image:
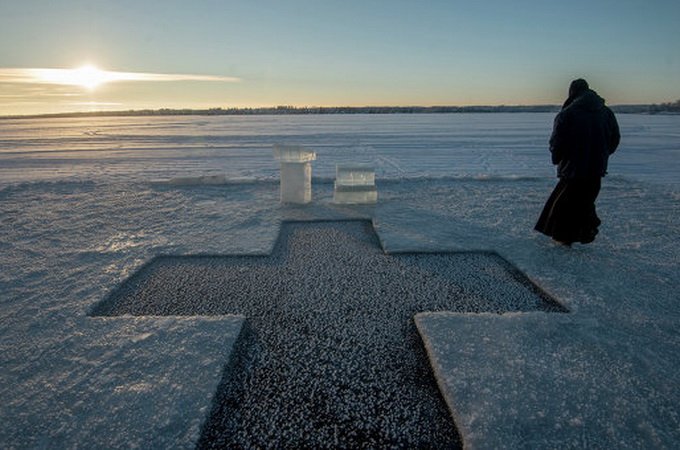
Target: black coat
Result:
[584, 134]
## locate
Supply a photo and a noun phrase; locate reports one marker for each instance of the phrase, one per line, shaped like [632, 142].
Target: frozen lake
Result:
[81, 209]
[132, 149]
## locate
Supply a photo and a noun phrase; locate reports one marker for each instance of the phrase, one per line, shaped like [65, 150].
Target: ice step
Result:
[355, 195]
[354, 175]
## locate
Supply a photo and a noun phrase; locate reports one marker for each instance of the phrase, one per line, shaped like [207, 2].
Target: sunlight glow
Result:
[90, 77]
[87, 76]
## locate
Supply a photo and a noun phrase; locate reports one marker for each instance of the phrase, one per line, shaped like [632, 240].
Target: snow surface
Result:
[85, 202]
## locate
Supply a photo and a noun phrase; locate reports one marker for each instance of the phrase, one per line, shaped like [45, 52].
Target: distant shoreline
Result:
[665, 108]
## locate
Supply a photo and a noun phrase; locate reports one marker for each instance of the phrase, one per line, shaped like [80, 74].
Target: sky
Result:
[140, 54]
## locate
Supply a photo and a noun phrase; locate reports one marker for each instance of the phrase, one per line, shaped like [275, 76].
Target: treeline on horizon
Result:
[663, 108]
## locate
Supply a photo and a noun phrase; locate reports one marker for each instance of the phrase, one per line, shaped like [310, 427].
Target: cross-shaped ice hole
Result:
[332, 357]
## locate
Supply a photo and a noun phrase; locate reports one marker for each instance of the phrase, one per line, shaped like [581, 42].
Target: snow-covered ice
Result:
[86, 202]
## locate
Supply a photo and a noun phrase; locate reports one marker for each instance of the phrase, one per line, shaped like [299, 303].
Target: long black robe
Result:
[569, 215]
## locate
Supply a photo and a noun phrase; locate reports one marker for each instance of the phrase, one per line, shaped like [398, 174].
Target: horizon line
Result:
[311, 110]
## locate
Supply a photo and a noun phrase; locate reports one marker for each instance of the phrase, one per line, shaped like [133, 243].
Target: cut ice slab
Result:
[536, 380]
[119, 382]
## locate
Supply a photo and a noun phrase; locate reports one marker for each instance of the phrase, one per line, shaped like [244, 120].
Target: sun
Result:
[87, 76]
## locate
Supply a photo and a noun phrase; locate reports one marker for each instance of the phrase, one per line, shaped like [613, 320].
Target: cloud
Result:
[89, 76]
[94, 104]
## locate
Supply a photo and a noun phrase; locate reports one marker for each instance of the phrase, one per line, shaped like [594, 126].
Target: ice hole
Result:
[332, 353]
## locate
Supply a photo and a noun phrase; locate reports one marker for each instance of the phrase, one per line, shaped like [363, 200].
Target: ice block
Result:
[355, 184]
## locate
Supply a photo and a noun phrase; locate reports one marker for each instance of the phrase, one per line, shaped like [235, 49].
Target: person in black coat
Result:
[585, 133]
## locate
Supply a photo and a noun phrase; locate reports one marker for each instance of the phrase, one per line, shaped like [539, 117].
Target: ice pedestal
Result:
[355, 184]
[296, 173]
[296, 183]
